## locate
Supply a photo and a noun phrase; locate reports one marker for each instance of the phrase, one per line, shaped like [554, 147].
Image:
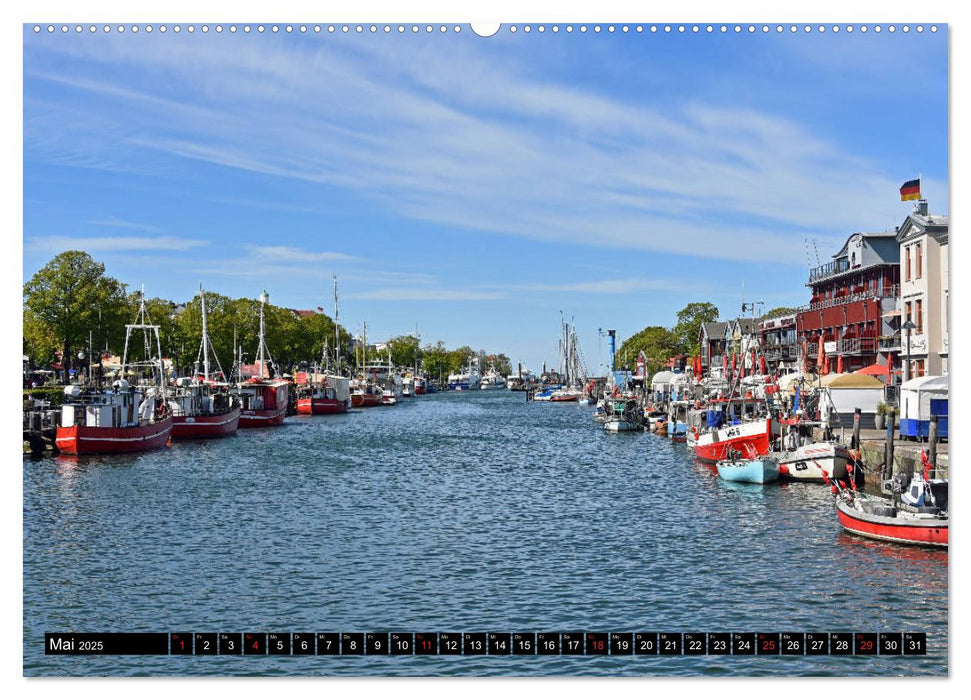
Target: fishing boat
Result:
[757, 470]
[468, 379]
[813, 462]
[203, 409]
[492, 380]
[420, 384]
[203, 406]
[620, 416]
[324, 394]
[124, 418]
[407, 385]
[365, 394]
[750, 437]
[565, 396]
[677, 422]
[263, 397]
[916, 513]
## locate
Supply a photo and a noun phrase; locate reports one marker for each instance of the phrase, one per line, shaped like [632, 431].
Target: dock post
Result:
[855, 442]
[888, 448]
[932, 445]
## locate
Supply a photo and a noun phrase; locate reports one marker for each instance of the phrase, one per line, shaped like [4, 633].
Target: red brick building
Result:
[853, 304]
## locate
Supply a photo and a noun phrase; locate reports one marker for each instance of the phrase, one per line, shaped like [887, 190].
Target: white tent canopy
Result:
[916, 395]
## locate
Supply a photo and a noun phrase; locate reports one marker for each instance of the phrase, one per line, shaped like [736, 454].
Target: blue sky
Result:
[477, 186]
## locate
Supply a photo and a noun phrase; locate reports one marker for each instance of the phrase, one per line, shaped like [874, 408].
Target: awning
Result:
[892, 314]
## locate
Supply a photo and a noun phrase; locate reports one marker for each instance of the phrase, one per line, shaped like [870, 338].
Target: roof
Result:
[851, 381]
[863, 234]
[663, 377]
[714, 329]
[304, 313]
[929, 383]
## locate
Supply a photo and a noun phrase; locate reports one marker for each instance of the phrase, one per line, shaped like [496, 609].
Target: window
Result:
[919, 313]
[918, 260]
[907, 263]
[906, 311]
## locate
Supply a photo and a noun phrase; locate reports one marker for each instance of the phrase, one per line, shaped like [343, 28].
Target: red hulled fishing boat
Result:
[263, 398]
[916, 513]
[751, 437]
[124, 418]
[202, 407]
[323, 394]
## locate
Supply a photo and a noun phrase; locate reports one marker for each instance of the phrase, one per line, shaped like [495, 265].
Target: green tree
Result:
[778, 311]
[658, 343]
[435, 360]
[689, 323]
[459, 358]
[64, 298]
[404, 350]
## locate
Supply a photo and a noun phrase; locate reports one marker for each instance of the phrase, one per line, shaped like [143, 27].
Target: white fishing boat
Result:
[492, 380]
[468, 379]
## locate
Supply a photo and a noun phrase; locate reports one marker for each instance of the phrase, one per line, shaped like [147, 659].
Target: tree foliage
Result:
[62, 303]
[658, 343]
[71, 297]
[689, 323]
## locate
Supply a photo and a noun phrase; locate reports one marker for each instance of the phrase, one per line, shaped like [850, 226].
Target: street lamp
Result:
[908, 326]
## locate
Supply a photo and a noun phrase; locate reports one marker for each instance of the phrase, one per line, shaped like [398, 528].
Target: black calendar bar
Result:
[533, 644]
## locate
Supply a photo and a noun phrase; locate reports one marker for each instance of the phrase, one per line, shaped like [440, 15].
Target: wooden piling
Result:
[855, 442]
[932, 445]
[888, 447]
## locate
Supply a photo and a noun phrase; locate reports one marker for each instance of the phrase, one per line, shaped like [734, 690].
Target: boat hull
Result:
[365, 400]
[619, 425]
[82, 440]
[205, 426]
[921, 531]
[751, 471]
[320, 407]
[262, 418]
[813, 462]
[746, 438]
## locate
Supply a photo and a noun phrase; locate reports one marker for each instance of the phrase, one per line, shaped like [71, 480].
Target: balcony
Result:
[780, 352]
[889, 343]
[828, 269]
[856, 346]
[891, 291]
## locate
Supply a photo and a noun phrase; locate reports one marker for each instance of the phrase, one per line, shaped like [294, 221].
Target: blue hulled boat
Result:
[762, 470]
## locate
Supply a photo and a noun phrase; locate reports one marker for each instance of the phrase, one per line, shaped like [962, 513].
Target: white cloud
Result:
[107, 244]
[422, 139]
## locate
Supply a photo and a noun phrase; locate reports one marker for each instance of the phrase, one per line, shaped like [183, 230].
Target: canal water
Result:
[454, 512]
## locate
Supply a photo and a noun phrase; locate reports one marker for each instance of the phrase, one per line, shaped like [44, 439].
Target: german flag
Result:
[910, 190]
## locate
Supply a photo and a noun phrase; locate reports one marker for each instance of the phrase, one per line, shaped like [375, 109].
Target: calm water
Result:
[453, 512]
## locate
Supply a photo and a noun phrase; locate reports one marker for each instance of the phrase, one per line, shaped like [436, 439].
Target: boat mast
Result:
[142, 323]
[206, 346]
[263, 353]
[337, 331]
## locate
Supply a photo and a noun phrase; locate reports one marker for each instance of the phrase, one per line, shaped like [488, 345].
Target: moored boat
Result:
[200, 406]
[917, 515]
[124, 418]
[263, 398]
[202, 410]
[751, 437]
[323, 395]
[121, 419]
[814, 462]
[365, 394]
[760, 470]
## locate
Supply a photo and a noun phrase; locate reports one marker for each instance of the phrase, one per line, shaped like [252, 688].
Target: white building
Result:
[924, 292]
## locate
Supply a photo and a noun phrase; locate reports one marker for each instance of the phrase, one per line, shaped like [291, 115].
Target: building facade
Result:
[851, 306]
[923, 241]
[779, 341]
